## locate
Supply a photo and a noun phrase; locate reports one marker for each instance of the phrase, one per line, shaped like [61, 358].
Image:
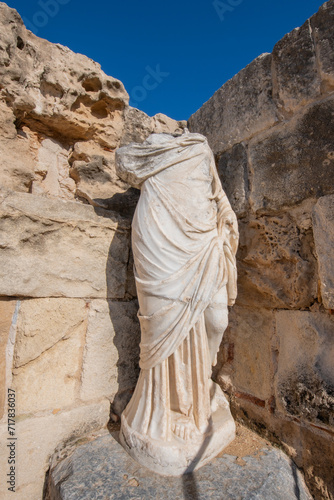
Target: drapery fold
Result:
[184, 239]
[173, 387]
[179, 256]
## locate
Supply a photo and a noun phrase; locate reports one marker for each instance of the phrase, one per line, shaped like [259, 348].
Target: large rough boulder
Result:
[61, 119]
[61, 93]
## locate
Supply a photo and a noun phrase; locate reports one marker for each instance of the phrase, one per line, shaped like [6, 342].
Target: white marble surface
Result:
[184, 240]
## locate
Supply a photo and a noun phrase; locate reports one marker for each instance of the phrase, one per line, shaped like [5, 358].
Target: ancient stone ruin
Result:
[69, 330]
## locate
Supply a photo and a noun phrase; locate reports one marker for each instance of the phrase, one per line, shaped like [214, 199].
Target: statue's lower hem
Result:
[175, 458]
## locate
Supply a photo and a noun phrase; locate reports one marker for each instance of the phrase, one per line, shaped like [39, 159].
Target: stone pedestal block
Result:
[102, 469]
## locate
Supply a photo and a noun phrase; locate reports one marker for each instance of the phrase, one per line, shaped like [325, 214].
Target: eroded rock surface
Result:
[323, 222]
[277, 267]
[296, 75]
[294, 161]
[271, 128]
[55, 91]
[304, 380]
[62, 118]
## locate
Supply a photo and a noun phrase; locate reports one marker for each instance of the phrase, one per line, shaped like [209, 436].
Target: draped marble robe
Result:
[184, 240]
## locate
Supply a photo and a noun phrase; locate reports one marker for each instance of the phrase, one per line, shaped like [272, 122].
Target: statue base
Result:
[177, 457]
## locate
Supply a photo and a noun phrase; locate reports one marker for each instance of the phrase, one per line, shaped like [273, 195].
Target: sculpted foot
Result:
[184, 428]
[182, 431]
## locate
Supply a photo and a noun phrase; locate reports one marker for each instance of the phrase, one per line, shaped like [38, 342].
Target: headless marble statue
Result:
[184, 240]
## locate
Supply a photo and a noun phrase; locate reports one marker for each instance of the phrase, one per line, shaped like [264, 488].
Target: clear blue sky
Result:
[194, 45]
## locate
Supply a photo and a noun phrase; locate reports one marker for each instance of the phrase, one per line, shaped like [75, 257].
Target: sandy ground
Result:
[246, 443]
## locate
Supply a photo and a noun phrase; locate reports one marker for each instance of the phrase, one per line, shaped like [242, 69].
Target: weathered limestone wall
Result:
[69, 340]
[271, 128]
